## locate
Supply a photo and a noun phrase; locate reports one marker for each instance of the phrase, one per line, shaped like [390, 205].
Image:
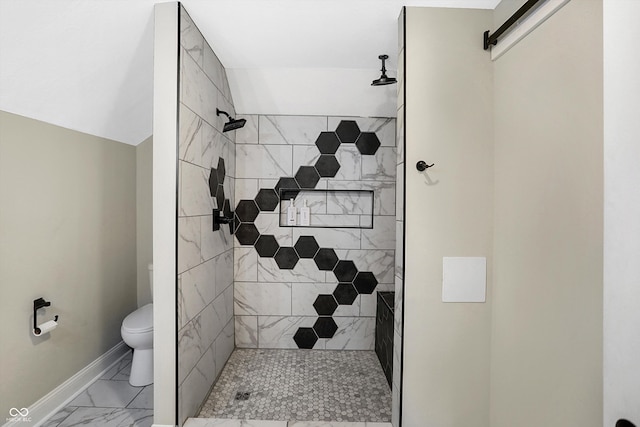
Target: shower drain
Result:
[242, 395]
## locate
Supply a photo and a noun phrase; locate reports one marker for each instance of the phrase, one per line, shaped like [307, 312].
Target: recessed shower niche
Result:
[337, 208]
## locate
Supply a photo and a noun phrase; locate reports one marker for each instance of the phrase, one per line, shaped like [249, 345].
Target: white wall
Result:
[621, 211]
[312, 92]
[165, 145]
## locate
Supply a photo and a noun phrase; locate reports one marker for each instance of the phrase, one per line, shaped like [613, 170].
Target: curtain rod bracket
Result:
[488, 42]
[492, 39]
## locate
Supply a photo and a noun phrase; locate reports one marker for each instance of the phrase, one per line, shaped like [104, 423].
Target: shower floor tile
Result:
[300, 385]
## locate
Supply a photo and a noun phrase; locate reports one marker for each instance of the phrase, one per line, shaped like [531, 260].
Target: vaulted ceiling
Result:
[87, 65]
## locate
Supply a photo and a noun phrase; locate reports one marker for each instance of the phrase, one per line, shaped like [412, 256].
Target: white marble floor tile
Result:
[120, 365]
[109, 417]
[59, 416]
[144, 400]
[107, 394]
[123, 374]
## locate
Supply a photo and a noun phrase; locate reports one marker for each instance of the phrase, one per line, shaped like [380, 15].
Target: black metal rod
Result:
[492, 39]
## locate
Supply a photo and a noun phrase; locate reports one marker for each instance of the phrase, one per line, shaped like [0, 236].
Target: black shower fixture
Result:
[383, 80]
[232, 124]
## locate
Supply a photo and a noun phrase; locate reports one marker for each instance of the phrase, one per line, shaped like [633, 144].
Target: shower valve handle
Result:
[423, 166]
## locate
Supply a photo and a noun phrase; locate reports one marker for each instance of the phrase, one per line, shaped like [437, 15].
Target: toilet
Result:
[137, 333]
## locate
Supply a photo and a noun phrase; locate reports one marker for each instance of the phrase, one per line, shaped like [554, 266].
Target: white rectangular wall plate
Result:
[464, 279]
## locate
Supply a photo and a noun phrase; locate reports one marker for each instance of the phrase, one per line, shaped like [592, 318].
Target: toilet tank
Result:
[150, 267]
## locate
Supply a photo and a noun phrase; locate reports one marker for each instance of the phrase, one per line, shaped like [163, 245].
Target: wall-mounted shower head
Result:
[232, 124]
[384, 79]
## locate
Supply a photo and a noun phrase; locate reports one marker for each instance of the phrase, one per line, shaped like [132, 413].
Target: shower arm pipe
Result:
[492, 39]
[219, 111]
[384, 69]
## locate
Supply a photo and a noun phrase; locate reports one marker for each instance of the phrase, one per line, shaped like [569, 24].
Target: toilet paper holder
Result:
[38, 304]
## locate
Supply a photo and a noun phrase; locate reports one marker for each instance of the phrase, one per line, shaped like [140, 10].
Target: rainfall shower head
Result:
[384, 79]
[232, 124]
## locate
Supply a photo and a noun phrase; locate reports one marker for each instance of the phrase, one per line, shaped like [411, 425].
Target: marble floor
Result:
[109, 402]
[300, 386]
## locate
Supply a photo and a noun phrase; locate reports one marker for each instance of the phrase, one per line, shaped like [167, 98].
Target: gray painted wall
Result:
[144, 217]
[546, 350]
[68, 226]
[448, 213]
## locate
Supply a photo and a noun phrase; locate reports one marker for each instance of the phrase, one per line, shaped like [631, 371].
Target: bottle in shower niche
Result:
[291, 213]
[305, 214]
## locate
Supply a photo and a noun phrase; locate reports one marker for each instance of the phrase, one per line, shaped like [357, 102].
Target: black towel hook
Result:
[423, 166]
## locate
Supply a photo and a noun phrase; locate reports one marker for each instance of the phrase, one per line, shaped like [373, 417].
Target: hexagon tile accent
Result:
[368, 143]
[266, 246]
[305, 338]
[351, 281]
[347, 131]
[325, 327]
[306, 246]
[267, 200]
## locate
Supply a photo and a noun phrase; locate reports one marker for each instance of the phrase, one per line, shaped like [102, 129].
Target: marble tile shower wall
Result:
[400, 201]
[205, 257]
[292, 298]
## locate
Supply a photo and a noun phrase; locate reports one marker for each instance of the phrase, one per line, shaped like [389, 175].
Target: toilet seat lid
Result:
[140, 320]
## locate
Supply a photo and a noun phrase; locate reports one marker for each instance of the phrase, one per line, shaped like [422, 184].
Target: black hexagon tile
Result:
[348, 131]
[327, 166]
[365, 282]
[368, 143]
[247, 210]
[305, 338]
[290, 184]
[307, 177]
[325, 259]
[345, 271]
[286, 258]
[213, 182]
[221, 170]
[328, 142]
[306, 246]
[325, 305]
[247, 234]
[345, 293]
[266, 245]
[325, 327]
[267, 199]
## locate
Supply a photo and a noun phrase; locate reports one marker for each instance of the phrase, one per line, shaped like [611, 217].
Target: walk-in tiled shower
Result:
[298, 302]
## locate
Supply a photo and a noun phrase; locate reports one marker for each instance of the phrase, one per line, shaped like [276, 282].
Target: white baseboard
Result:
[59, 397]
